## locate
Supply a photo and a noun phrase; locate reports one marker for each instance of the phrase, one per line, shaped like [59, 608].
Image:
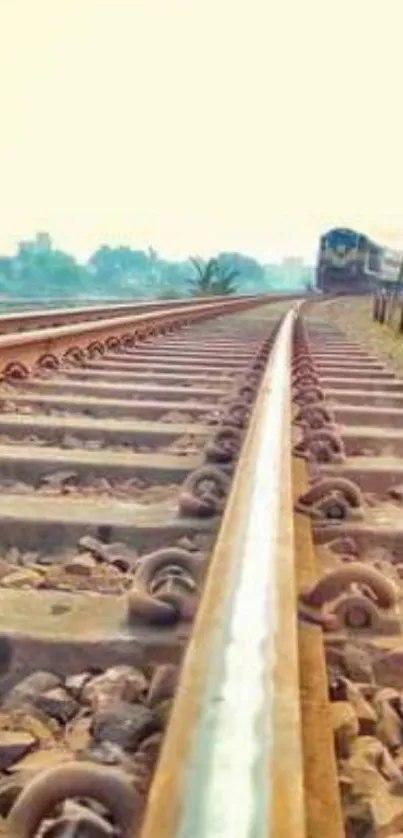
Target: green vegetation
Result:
[39, 272]
[212, 278]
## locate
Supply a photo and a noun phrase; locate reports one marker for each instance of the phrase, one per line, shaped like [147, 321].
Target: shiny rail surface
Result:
[239, 771]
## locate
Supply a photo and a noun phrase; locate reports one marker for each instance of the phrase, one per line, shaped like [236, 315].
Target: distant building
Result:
[42, 243]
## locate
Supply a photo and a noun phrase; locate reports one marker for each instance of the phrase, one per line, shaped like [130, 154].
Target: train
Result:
[350, 262]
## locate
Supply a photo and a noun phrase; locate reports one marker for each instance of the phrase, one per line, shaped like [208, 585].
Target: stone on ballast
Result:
[125, 724]
[150, 748]
[22, 720]
[26, 690]
[14, 744]
[70, 441]
[345, 727]
[163, 683]
[118, 683]
[358, 664]
[388, 669]
[24, 578]
[6, 569]
[389, 726]
[58, 480]
[163, 711]
[365, 712]
[90, 544]
[77, 735]
[41, 759]
[58, 704]
[359, 821]
[76, 683]
[81, 565]
[387, 813]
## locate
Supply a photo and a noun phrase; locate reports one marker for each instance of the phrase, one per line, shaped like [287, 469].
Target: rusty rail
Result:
[22, 351]
[23, 320]
[231, 764]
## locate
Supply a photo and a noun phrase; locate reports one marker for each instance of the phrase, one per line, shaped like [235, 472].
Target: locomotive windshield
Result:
[341, 241]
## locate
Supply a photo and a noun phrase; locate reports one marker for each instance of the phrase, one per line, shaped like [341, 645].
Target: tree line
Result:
[41, 271]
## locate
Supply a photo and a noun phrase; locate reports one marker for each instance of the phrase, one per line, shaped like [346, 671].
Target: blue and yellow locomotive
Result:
[341, 263]
[351, 263]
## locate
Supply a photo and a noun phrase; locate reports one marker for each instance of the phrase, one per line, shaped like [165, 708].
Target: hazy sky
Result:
[200, 125]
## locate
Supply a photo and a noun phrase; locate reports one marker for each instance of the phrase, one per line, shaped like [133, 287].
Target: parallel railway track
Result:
[200, 547]
[349, 426]
[22, 321]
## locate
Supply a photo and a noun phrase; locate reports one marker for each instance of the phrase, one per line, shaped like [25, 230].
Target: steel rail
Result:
[28, 348]
[58, 316]
[82, 313]
[231, 764]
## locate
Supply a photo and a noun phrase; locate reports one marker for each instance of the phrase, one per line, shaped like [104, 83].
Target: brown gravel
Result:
[116, 717]
[354, 317]
[93, 566]
[365, 684]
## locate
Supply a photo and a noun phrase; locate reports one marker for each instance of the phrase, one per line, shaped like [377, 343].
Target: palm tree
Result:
[203, 285]
[211, 279]
[225, 283]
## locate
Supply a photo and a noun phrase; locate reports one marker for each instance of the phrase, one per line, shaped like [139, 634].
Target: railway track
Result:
[22, 321]
[349, 430]
[116, 461]
[200, 581]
